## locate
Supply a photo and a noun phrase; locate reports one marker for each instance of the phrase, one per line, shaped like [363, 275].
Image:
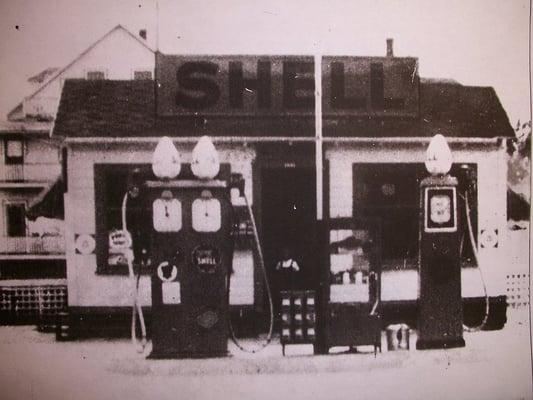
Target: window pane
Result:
[95, 75]
[14, 148]
[16, 220]
[140, 75]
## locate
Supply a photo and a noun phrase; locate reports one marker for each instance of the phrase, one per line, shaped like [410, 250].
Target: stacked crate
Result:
[28, 304]
[517, 290]
[298, 317]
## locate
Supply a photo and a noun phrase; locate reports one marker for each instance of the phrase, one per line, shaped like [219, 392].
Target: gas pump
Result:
[190, 246]
[186, 241]
[440, 313]
[191, 256]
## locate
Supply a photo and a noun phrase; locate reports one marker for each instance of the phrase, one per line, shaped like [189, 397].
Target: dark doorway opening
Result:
[288, 209]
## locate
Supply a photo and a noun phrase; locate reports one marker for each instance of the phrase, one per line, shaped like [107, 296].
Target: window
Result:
[16, 219]
[14, 151]
[110, 185]
[142, 75]
[95, 75]
[391, 192]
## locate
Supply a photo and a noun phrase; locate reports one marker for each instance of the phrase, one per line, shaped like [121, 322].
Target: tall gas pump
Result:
[190, 246]
[440, 313]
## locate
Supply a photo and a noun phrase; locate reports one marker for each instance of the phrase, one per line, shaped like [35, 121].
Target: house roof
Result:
[43, 75]
[50, 74]
[25, 128]
[128, 109]
[92, 46]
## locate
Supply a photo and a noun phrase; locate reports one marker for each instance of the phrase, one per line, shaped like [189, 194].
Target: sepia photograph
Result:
[265, 199]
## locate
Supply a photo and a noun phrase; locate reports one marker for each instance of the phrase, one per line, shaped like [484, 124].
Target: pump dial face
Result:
[206, 215]
[167, 215]
[440, 209]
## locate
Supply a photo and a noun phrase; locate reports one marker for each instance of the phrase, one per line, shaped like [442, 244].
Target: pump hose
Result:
[476, 257]
[267, 285]
[136, 307]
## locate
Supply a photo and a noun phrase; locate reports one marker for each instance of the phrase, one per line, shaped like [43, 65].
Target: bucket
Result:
[397, 337]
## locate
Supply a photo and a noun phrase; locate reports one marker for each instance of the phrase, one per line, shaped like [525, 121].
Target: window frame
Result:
[6, 205]
[141, 71]
[370, 207]
[14, 160]
[96, 70]
[101, 172]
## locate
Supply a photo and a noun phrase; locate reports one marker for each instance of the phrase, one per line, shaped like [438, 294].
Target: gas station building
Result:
[354, 148]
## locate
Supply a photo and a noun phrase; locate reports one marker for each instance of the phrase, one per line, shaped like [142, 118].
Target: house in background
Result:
[32, 253]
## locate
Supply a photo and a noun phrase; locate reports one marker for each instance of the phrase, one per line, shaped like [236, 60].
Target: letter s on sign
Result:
[200, 91]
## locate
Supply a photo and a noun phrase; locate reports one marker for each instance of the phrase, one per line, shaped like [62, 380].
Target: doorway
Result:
[288, 210]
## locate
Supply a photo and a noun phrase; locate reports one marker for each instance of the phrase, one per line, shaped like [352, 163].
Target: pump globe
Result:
[166, 163]
[205, 162]
[438, 156]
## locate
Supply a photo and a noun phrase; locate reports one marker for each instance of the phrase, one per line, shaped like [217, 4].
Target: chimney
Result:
[142, 34]
[390, 52]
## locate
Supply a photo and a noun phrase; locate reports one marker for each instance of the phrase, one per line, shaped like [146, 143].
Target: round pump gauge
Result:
[206, 213]
[440, 209]
[166, 213]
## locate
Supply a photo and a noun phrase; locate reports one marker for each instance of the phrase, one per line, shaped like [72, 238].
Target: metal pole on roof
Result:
[157, 26]
[319, 161]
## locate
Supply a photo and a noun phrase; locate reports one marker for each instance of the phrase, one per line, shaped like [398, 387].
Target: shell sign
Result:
[285, 85]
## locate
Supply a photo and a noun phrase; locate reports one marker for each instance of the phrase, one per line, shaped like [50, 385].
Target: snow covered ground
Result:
[493, 365]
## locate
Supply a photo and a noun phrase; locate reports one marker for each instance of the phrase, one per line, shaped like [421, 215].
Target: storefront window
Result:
[349, 265]
[111, 182]
[390, 192]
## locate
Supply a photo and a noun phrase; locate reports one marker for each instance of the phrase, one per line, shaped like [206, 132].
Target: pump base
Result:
[167, 355]
[427, 344]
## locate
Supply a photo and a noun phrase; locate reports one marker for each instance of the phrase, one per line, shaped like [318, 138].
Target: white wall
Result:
[41, 151]
[492, 192]
[85, 287]
[118, 55]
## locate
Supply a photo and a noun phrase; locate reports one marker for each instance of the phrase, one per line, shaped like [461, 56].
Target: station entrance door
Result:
[288, 221]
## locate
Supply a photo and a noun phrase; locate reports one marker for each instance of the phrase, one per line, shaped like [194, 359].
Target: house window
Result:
[16, 219]
[140, 75]
[95, 75]
[14, 151]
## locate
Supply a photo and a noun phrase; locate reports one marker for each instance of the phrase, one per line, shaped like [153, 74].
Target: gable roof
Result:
[15, 112]
[43, 75]
[128, 109]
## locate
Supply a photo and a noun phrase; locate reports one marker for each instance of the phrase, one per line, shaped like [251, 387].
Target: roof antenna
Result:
[157, 26]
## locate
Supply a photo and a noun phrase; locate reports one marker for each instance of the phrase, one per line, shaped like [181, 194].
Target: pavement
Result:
[493, 365]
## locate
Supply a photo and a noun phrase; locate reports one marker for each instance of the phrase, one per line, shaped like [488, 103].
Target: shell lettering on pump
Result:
[205, 160]
[166, 163]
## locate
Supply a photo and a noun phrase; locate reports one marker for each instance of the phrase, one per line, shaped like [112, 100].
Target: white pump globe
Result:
[166, 159]
[205, 162]
[438, 156]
